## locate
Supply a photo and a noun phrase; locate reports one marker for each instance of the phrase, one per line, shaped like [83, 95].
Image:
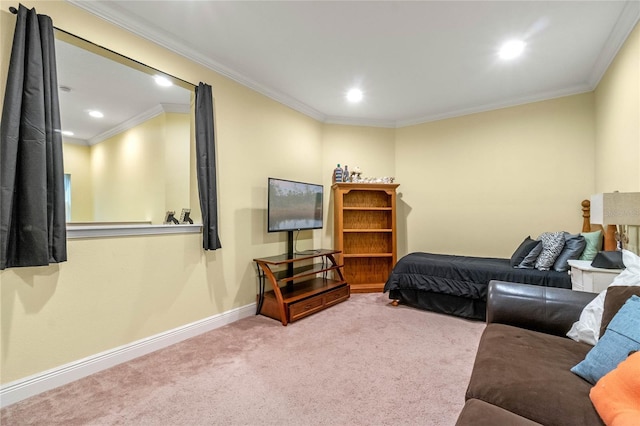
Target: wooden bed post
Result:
[609, 233]
[586, 215]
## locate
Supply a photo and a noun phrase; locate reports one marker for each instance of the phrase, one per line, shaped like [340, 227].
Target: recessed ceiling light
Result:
[67, 132]
[512, 49]
[96, 114]
[354, 95]
[163, 81]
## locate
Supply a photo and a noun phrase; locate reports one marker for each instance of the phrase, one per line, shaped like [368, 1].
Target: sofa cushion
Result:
[479, 413]
[615, 297]
[528, 373]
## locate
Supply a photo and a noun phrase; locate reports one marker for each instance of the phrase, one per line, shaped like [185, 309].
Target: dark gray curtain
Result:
[32, 216]
[206, 163]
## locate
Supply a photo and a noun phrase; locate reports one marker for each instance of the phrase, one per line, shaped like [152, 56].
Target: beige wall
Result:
[370, 148]
[7, 25]
[479, 184]
[128, 174]
[177, 136]
[110, 292]
[136, 175]
[117, 290]
[470, 185]
[617, 158]
[77, 163]
[139, 174]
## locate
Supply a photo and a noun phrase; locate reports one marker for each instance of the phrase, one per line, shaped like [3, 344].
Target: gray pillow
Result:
[522, 251]
[552, 245]
[573, 247]
[530, 260]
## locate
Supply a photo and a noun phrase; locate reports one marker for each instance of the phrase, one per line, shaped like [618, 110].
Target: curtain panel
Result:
[206, 164]
[32, 210]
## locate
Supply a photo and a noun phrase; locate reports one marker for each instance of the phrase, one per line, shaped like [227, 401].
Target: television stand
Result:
[299, 291]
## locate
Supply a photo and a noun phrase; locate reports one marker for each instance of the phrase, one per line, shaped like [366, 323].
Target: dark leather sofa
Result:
[521, 375]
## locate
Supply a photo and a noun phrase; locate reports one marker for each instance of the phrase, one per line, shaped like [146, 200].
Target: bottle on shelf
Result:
[345, 175]
[337, 174]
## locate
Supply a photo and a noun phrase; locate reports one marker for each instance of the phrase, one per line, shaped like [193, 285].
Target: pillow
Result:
[530, 260]
[613, 301]
[608, 260]
[631, 274]
[522, 251]
[594, 244]
[616, 396]
[587, 328]
[552, 245]
[573, 247]
[622, 337]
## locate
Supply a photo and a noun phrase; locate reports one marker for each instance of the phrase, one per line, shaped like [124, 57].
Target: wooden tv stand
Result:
[299, 291]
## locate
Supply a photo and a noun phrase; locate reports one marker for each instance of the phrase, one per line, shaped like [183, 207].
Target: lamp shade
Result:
[616, 208]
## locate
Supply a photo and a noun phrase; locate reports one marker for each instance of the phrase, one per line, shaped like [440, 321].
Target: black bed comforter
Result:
[464, 276]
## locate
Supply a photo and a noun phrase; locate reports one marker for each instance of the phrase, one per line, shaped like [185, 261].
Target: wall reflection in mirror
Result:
[126, 137]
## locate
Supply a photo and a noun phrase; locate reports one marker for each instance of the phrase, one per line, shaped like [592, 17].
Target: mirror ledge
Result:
[82, 231]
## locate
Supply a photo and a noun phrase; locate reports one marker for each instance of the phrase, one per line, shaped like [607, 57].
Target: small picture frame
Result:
[170, 218]
[184, 216]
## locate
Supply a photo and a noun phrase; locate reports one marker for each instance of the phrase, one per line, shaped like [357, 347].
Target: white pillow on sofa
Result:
[587, 328]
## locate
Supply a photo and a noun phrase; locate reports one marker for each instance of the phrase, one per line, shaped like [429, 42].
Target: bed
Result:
[457, 285]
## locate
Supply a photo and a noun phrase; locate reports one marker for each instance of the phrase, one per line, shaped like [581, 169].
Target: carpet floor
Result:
[361, 362]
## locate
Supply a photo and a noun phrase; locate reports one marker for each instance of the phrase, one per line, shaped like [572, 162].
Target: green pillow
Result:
[594, 244]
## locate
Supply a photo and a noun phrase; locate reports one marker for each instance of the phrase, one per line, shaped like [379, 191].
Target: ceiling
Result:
[124, 91]
[415, 61]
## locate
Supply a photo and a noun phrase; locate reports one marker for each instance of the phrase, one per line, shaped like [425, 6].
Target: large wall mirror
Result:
[126, 136]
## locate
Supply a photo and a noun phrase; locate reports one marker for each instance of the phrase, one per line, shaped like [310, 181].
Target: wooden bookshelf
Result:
[365, 233]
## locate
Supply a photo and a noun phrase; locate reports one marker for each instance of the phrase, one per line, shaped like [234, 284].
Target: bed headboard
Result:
[609, 232]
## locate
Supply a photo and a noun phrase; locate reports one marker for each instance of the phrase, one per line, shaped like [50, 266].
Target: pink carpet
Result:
[361, 362]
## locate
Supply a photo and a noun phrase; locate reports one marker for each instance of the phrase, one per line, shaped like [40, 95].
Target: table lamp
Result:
[619, 209]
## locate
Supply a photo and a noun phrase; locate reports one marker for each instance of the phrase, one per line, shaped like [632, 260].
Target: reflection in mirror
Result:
[131, 163]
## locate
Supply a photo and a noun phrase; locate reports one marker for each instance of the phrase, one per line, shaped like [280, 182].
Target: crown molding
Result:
[154, 34]
[360, 122]
[139, 119]
[522, 100]
[75, 141]
[627, 21]
[628, 18]
[176, 108]
[539, 97]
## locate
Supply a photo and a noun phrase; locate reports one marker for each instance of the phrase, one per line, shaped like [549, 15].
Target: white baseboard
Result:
[29, 386]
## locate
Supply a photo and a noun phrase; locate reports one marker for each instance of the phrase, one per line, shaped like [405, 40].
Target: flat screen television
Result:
[294, 206]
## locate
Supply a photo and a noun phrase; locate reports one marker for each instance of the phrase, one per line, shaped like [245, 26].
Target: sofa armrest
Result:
[546, 309]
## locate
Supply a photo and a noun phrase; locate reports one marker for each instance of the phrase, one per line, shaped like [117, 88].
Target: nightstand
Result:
[585, 277]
